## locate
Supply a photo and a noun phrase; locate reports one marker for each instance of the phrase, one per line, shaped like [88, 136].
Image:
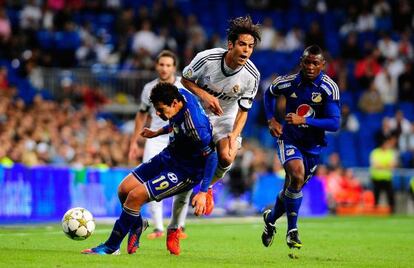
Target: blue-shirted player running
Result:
[189, 159]
[312, 107]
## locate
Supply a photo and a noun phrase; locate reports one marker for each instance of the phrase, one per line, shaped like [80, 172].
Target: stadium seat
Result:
[347, 148]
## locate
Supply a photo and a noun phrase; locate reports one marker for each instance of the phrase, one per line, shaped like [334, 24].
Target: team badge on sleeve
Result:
[188, 73]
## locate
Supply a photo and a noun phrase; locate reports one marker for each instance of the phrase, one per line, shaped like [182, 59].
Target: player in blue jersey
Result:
[312, 107]
[188, 160]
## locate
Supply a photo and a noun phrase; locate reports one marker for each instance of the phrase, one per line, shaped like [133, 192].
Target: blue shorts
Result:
[289, 152]
[164, 178]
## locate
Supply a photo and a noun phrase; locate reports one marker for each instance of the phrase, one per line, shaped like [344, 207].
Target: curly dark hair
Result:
[243, 25]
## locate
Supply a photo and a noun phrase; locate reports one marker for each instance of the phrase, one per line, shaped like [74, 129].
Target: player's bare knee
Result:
[297, 178]
[123, 191]
[136, 198]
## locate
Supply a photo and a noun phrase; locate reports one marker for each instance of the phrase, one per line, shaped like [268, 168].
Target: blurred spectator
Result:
[268, 35]
[405, 47]
[30, 16]
[406, 84]
[315, 36]
[383, 160]
[197, 37]
[386, 86]
[294, 39]
[387, 47]
[367, 68]
[402, 15]
[370, 100]
[399, 124]
[5, 28]
[384, 132]
[145, 41]
[349, 122]
[366, 20]
[350, 49]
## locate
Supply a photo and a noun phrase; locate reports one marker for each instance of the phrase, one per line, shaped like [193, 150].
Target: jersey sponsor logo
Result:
[305, 110]
[285, 85]
[219, 95]
[290, 152]
[293, 95]
[236, 89]
[172, 177]
[316, 97]
[188, 73]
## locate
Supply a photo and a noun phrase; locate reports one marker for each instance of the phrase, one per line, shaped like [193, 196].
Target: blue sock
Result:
[278, 209]
[293, 200]
[122, 226]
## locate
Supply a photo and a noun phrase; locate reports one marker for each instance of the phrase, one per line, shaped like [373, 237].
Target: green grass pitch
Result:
[328, 242]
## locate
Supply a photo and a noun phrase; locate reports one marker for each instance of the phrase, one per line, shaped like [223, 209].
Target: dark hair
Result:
[312, 50]
[243, 25]
[165, 93]
[167, 53]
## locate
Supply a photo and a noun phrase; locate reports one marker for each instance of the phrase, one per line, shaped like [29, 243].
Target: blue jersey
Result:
[190, 157]
[191, 137]
[314, 100]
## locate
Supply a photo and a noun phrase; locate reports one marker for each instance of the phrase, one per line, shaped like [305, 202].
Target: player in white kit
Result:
[166, 67]
[227, 82]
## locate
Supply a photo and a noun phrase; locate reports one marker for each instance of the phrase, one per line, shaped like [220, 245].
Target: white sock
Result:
[221, 171]
[180, 209]
[156, 213]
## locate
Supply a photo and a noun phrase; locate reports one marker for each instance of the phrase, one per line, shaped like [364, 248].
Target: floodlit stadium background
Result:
[71, 73]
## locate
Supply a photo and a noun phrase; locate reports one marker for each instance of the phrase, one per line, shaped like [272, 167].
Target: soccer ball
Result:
[78, 223]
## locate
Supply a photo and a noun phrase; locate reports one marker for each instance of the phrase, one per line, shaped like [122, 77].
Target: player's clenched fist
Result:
[199, 203]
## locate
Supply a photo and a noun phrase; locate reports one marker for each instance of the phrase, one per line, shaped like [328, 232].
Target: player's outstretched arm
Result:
[275, 128]
[199, 200]
[148, 133]
[209, 100]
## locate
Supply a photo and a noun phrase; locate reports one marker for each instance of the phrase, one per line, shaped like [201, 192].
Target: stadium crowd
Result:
[369, 47]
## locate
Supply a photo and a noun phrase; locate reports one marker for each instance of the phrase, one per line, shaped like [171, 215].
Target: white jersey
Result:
[155, 145]
[233, 88]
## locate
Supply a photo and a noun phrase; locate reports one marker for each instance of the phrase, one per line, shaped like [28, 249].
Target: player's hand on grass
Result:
[294, 119]
[212, 103]
[199, 203]
[275, 128]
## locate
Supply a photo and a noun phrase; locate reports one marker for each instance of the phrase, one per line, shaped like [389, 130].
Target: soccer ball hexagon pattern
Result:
[78, 223]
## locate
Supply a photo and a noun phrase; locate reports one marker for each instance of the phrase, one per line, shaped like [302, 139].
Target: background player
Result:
[312, 107]
[227, 82]
[189, 159]
[165, 66]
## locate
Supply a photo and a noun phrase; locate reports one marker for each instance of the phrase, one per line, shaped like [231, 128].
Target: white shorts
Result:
[154, 146]
[222, 126]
